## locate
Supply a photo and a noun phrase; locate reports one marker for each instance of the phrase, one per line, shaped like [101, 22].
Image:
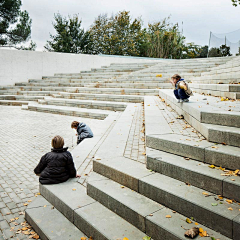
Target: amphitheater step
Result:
[112, 106]
[202, 110]
[102, 97]
[13, 102]
[49, 223]
[142, 212]
[71, 111]
[192, 172]
[197, 149]
[174, 194]
[86, 214]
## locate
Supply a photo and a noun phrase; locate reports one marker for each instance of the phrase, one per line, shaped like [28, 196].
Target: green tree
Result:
[15, 25]
[191, 50]
[203, 52]
[117, 35]
[223, 51]
[164, 40]
[235, 2]
[70, 37]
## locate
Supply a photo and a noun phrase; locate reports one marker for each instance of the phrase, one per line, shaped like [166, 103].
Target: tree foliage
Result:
[164, 40]
[117, 35]
[70, 37]
[15, 25]
[223, 51]
[235, 2]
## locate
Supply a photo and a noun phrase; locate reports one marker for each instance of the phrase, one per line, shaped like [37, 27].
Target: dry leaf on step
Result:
[192, 233]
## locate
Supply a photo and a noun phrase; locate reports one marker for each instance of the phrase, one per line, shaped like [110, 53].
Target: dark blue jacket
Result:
[83, 131]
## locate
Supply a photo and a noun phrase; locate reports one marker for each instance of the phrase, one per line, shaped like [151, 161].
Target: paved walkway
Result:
[25, 137]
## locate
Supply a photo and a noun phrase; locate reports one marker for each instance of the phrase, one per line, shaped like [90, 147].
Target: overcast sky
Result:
[199, 17]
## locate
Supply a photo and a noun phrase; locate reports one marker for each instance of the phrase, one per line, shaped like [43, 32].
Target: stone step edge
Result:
[85, 213]
[87, 113]
[197, 149]
[140, 210]
[192, 172]
[141, 183]
[207, 114]
[47, 221]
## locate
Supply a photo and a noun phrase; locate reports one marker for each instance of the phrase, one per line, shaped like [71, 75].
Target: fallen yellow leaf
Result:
[230, 209]
[188, 220]
[229, 201]
[200, 230]
[204, 193]
[74, 189]
[196, 223]
[83, 238]
[168, 216]
[125, 238]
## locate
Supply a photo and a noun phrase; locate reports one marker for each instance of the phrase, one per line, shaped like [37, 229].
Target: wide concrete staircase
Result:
[188, 179]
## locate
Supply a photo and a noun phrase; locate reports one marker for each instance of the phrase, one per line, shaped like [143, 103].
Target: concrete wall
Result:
[19, 65]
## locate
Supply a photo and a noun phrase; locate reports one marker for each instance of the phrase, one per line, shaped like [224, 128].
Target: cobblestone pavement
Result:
[25, 137]
[135, 147]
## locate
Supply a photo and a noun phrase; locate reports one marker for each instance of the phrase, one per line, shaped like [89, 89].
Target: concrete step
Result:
[102, 97]
[174, 194]
[192, 172]
[197, 149]
[46, 91]
[13, 102]
[131, 85]
[20, 97]
[70, 111]
[86, 214]
[112, 106]
[49, 223]
[202, 110]
[142, 212]
[200, 115]
[229, 95]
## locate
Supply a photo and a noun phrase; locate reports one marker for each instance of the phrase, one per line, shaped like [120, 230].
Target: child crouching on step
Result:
[182, 92]
[83, 131]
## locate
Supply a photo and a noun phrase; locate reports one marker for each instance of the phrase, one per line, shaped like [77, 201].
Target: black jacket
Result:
[56, 167]
[83, 131]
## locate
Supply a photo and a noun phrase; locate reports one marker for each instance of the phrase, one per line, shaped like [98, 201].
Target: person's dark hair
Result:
[74, 124]
[176, 76]
[57, 142]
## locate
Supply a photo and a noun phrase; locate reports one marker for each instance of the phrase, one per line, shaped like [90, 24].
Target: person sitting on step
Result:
[56, 166]
[83, 131]
[182, 92]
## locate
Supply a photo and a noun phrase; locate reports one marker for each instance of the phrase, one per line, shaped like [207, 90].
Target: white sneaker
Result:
[186, 100]
[179, 100]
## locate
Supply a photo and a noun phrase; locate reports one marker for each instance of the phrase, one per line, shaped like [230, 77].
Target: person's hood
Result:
[59, 149]
[81, 125]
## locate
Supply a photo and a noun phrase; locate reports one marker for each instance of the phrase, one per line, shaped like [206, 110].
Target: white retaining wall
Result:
[20, 65]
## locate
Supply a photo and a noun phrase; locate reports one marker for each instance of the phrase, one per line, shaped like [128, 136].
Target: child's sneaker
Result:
[186, 100]
[179, 100]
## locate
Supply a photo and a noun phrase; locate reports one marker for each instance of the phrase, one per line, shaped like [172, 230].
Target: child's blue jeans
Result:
[180, 94]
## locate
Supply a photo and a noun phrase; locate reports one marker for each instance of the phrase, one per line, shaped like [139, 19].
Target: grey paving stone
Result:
[160, 227]
[66, 196]
[187, 171]
[180, 145]
[225, 156]
[49, 223]
[128, 204]
[102, 224]
[189, 201]
[116, 170]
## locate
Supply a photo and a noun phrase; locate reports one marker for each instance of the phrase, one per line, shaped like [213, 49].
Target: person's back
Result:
[56, 166]
[83, 131]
